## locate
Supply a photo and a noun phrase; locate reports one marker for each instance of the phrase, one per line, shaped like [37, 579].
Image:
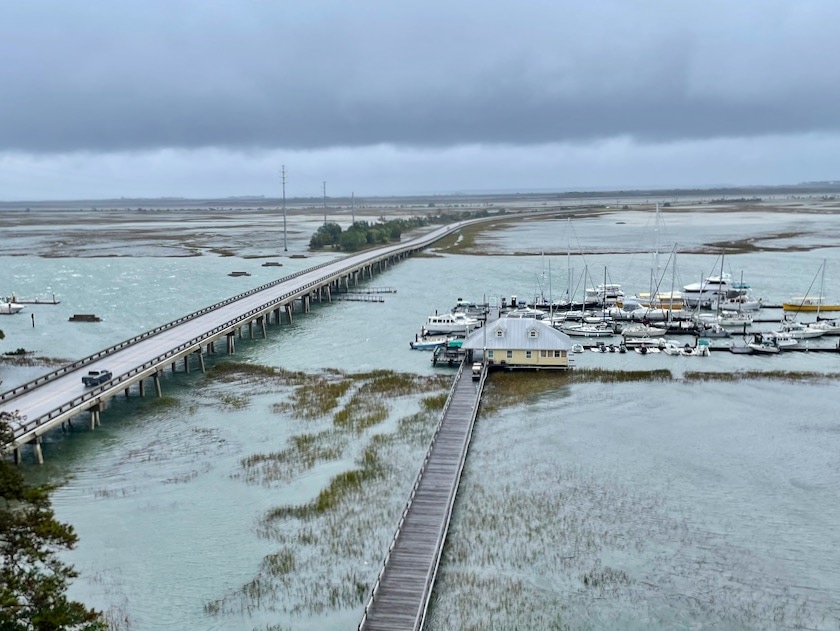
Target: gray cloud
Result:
[117, 77]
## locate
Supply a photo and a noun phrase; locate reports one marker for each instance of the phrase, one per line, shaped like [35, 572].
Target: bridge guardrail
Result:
[412, 246]
[33, 424]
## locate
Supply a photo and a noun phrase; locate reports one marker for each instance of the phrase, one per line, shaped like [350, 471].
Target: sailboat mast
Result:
[822, 287]
[673, 274]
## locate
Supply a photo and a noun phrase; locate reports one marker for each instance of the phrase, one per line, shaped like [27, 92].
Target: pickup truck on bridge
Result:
[96, 377]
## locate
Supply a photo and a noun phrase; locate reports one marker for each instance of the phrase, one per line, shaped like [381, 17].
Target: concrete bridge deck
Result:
[56, 397]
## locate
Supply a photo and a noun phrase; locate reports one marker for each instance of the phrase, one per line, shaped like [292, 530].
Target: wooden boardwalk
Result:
[400, 597]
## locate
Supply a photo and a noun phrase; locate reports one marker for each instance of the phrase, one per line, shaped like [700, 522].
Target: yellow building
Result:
[521, 343]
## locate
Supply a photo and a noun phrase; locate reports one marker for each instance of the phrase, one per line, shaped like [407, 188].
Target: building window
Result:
[532, 333]
[543, 353]
[527, 354]
[500, 332]
[510, 354]
[558, 353]
[490, 354]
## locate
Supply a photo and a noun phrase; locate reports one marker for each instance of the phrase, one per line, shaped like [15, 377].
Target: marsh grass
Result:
[279, 563]
[314, 400]
[435, 402]
[233, 401]
[231, 371]
[163, 402]
[360, 413]
[340, 487]
[463, 241]
[753, 375]
[305, 451]
[504, 389]
[329, 550]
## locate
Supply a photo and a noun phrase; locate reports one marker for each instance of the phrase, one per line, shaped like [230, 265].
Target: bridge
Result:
[52, 399]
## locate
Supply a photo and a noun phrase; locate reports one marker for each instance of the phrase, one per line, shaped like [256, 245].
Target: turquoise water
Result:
[716, 501]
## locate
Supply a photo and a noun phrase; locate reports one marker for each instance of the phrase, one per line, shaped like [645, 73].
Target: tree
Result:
[33, 580]
[327, 234]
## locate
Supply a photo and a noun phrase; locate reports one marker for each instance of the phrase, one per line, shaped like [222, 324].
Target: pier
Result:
[400, 596]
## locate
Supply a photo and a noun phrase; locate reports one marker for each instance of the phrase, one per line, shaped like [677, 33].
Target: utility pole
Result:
[325, 203]
[283, 179]
[353, 207]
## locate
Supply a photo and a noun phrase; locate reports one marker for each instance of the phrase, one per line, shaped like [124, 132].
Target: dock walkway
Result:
[400, 596]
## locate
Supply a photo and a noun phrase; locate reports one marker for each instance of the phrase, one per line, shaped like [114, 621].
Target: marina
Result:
[390, 324]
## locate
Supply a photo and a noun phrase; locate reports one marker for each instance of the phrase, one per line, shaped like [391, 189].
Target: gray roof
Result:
[515, 336]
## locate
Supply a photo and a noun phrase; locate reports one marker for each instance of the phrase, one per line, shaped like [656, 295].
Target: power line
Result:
[283, 179]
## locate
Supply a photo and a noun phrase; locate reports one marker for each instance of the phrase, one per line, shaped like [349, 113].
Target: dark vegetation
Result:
[362, 234]
[33, 580]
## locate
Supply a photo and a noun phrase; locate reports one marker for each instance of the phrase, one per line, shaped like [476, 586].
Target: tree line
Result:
[362, 234]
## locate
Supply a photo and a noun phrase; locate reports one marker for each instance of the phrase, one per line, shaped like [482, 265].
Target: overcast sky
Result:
[197, 98]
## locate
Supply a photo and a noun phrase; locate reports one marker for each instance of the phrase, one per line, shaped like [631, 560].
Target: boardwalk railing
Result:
[421, 613]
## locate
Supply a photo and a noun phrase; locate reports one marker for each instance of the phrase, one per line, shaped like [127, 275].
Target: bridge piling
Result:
[141, 386]
[39, 454]
[201, 360]
[52, 399]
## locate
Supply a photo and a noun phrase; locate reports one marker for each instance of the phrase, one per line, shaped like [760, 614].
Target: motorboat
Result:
[469, 309]
[526, 312]
[605, 294]
[700, 350]
[670, 347]
[642, 331]
[429, 343]
[711, 330]
[725, 319]
[577, 348]
[10, 307]
[739, 303]
[764, 344]
[449, 323]
[782, 339]
[712, 289]
[587, 330]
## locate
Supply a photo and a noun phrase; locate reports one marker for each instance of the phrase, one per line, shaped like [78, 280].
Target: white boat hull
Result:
[10, 308]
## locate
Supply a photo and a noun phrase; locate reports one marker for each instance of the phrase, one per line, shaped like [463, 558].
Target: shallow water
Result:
[737, 482]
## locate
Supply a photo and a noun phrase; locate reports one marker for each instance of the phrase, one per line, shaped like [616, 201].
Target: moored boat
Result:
[809, 304]
[449, 323]
[429, 343]
[764, 344]
[588, 330]
[10, 307]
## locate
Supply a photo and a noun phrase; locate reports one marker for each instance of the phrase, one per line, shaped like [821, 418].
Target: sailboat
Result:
[828, 326]
[811, 303]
